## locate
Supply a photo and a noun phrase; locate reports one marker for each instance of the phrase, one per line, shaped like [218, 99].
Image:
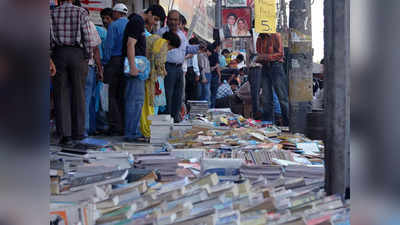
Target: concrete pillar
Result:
[337, 95]
[300, 64]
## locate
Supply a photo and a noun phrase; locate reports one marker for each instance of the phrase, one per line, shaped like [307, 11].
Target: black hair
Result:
[322, 62]
[210, 48]
[194, 41]
[106, 12]
[157, 10]
[77, 3]
[240, 58]
[232, 14]
[234, 82]
[182, 19]
[172, 38]
[225, 51]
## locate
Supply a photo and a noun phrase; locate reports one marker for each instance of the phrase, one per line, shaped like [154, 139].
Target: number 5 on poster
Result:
[265, 16]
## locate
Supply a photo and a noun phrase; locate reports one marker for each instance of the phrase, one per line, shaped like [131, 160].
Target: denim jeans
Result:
[134, 99]
[90, 101]
[214, 88]
[274, 76]
[205, 89]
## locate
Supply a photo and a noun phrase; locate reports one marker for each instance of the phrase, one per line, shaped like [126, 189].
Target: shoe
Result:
[114, 133]
[66, 142]
[129, 140]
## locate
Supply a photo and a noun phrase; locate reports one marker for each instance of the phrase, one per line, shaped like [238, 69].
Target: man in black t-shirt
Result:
[134, 45]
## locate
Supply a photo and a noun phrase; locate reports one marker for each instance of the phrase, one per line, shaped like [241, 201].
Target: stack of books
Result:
[197, 108]
[160, 128]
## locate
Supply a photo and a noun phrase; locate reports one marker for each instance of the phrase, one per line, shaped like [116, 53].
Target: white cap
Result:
[120, 7]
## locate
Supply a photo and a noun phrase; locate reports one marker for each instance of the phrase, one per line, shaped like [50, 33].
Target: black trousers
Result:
[114, 76]
[173, 90]
[69, 91]
[192, 86]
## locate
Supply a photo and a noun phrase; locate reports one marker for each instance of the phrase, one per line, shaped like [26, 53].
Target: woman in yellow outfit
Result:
[156, 52]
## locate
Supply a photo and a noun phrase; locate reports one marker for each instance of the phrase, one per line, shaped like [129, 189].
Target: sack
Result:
[142, 64]
[104, 96]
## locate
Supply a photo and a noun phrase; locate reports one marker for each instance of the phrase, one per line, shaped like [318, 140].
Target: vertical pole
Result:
[218, 12]
[337, 95]
[300, 64]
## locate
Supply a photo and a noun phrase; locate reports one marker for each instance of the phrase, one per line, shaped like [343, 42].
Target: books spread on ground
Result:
[217, 168]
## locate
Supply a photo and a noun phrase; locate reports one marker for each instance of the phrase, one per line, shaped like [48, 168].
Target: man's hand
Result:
[100, 75]
[188, 56]
[204, 80]
[134, 71]
[53, 70]
[197, 78]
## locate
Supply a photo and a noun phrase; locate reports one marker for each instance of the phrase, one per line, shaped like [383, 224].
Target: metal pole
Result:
[218, 12]
[337, 95]
[300, 64]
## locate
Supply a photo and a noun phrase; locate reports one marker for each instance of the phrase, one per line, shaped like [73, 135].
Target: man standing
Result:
[95, 68]
[114, 69]
[71, 48]
[106, 16]
[215, 73]
[175, 58]
[154, 18]
[270, 50]
[134, 45]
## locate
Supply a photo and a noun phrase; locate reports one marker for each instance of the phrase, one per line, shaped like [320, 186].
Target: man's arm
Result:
[96, 56]
[53, 70]
[277, 55]
[85, 27]
[131, 56]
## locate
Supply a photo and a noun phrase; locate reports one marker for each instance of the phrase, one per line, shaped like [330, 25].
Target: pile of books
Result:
[160, 128]
[205, 200]
[166, 164]
[198, 108]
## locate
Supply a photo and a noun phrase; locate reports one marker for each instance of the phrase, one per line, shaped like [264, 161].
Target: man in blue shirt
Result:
[175, 58]
[114, 69]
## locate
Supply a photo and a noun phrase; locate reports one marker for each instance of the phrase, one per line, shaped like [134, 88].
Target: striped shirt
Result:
[69, 26]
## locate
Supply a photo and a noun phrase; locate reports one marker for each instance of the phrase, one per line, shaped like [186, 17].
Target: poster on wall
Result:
[95, 6]
[265, 16]
[236, 22]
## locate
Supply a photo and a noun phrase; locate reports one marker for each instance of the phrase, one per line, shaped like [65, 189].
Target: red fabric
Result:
[271, 46]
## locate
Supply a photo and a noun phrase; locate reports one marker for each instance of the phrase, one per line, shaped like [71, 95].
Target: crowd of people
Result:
[150, 67]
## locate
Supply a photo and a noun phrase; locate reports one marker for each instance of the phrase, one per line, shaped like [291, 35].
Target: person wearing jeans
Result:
[90, 88]
[205, 80]
[215, 73]
[134, 99]
[134, 45]
[270, 54]
[274, 76]
[205, 88]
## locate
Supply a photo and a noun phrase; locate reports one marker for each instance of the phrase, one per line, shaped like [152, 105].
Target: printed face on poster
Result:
[236, 22]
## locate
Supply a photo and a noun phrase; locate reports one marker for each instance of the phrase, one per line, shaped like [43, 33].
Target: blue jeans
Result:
[274, 76]
[90, 101]
[205, 89]
[214, 88]
[134, 99]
